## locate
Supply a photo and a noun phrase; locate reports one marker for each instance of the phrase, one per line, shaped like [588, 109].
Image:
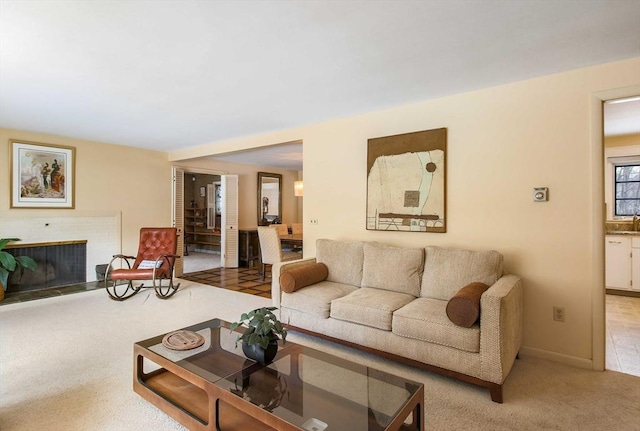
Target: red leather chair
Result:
[155, 261]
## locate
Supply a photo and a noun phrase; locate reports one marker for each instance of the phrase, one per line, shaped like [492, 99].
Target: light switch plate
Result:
[540, 194]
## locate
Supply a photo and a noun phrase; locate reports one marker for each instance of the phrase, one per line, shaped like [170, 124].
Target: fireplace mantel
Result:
[43, 244]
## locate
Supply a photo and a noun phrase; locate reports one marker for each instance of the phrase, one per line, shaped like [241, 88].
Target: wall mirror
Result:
[269, 198]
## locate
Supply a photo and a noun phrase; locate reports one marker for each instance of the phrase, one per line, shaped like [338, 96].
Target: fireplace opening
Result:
[61, 263]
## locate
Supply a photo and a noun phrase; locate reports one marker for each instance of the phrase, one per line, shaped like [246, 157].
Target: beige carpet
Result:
[66, 364]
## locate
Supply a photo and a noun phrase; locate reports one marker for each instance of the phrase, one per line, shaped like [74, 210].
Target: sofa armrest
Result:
[279, 268]
[501, 322]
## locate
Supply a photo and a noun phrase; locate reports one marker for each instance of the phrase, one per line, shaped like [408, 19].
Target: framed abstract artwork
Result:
[406, 182]
[42, 175]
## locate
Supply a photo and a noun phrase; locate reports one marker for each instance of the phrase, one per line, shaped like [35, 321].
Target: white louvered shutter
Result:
[229, 216]
[178, 216]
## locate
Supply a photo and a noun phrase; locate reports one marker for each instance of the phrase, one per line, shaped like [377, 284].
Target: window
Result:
[627, 190]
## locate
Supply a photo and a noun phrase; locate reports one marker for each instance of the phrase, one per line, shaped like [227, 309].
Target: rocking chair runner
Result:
[155, 261]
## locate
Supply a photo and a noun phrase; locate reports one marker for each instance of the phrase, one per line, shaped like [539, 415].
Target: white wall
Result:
[502, 142]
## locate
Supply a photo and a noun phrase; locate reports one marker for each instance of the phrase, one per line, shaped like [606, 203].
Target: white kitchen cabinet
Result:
[622, 262]
[635, 263]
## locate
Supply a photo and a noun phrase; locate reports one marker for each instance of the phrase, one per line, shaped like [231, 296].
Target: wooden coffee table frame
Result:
[201, 405]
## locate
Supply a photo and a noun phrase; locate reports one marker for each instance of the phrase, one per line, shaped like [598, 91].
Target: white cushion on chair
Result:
[150, 264]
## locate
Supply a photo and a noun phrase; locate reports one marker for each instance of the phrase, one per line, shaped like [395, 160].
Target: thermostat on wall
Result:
[540, 194]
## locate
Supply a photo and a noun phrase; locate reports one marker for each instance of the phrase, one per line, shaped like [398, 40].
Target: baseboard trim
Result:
[557, 357]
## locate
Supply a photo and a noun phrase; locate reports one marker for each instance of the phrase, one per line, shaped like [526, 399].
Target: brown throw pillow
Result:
[464, 308]
[303, 276]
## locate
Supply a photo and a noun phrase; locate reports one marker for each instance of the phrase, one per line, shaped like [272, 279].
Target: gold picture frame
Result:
[42, 175]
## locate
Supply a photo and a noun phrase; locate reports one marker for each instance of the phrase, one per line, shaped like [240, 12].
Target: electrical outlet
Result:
[314, 221]
[558, 314]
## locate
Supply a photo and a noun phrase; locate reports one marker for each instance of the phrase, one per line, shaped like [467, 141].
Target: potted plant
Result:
[10, 263]
[260, 339]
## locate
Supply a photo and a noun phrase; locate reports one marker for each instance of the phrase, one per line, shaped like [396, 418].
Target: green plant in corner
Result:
[9, 263]
[262, 327]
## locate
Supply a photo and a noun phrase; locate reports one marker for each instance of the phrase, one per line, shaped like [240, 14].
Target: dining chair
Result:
[271, 250]
[282, 229]
[296, 228]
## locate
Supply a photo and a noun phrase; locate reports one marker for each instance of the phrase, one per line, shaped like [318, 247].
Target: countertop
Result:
[623, 232]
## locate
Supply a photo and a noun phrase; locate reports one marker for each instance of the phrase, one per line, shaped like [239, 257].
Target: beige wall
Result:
[622, 140]
[502, 142]
[109, 178]
[248, 188]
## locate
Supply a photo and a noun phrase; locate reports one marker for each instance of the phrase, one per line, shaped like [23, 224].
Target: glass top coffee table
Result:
[215, 387]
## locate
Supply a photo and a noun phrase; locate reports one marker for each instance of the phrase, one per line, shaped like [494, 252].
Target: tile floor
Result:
[12, 298]
[245, 280]
[623, 334]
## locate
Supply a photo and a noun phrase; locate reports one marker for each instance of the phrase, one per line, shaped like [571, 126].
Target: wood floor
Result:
[623, 334]
[245, 280]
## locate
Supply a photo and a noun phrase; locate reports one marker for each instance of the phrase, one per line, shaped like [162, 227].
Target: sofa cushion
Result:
[303, 276]
[392, 268]
[316, 299]
[371, 307]
[464, 308]
[447, 270]
[426, 319]
[343, 259]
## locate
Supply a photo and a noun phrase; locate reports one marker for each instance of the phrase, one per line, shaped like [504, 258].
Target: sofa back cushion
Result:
[344, 260]
[396, 269]
[448, 270]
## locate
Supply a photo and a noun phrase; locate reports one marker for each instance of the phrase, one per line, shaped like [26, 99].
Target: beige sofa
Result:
[392, 301]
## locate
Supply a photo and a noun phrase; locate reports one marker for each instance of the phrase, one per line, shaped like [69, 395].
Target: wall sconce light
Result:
[298, 189]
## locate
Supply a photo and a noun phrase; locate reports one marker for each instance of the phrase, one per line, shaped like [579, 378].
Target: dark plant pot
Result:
[258, 354]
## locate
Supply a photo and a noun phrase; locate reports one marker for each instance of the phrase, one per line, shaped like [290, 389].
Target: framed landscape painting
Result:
[42, 175]
[406, 182]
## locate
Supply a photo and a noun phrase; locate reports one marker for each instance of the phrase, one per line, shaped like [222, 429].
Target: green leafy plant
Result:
[10, 263]
[262, 327]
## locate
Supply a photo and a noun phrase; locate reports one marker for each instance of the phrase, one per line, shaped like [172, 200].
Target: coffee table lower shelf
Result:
[184, 398]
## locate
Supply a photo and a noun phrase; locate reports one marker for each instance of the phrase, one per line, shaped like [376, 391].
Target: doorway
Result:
[202, 221]
[621, 144]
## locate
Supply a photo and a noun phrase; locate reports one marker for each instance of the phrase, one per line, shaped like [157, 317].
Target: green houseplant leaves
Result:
[9, 263]
[262, 327]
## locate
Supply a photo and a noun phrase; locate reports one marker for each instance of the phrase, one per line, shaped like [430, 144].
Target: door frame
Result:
[598, 219]
[191, 170]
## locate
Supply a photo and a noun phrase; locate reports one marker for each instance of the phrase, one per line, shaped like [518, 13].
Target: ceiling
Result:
[284, 156]
[622, 117]
[176, 74]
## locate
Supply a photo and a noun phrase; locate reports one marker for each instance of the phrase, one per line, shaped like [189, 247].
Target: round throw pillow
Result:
[463, 308]
[302, 276]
